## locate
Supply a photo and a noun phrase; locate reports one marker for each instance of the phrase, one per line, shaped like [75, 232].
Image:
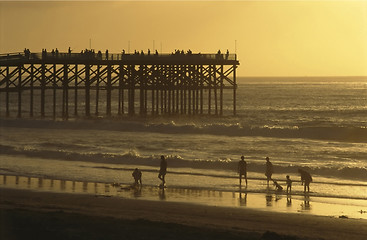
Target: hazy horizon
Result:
[271, 38]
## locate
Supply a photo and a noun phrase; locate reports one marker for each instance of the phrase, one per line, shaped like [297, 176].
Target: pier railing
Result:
[115, 56]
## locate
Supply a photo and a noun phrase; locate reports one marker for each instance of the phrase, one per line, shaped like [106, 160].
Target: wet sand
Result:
[57, 215]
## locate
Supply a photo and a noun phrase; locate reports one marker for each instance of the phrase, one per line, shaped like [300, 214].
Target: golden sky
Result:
[273, 38]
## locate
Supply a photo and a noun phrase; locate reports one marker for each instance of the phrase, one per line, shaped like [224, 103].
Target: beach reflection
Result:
[306, 203]
[244, 198]
[289, 200]
[162, 194]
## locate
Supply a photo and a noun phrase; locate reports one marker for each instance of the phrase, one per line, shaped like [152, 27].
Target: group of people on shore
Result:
[306, 178]
[137, 174]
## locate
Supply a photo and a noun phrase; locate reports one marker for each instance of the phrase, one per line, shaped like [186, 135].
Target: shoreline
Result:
[184, 214]
[267, 200]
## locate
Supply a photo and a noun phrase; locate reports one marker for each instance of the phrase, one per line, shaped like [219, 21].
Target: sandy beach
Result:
[80, 216]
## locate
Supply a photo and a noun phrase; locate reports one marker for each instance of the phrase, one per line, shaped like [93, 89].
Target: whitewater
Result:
[318, 124]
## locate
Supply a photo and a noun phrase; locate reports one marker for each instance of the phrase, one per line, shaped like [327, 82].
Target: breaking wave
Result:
[337, 133]
[133, 158]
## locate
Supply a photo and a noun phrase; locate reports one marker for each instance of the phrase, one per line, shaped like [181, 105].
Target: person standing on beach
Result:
[163, 170]
[289, 184]
[269, 170]
[306, 179]
[242, 169]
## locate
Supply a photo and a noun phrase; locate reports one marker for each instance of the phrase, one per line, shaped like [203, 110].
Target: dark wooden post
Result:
[31, 90]
[76, 91]
[234, 89]
[141, 82]
[182, 86]
[108, 88]
[169, 87]
[132, 90]
[221, 90]
[65, 105]
[201, 90]
[87, 90]
[19, 91]
[43, 90]
[152, 87]
[215, 89]
[209, 89]
[54, 85]
[189, 85]
[145, 79]
[121, 101]
[97, 88]
[7, 91]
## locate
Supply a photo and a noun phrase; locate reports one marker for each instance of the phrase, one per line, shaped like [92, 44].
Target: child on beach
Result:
[137, 176]
[289, 184]
[278, 188]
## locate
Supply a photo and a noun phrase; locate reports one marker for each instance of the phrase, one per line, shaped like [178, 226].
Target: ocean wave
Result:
[133, 158]
[225, 128]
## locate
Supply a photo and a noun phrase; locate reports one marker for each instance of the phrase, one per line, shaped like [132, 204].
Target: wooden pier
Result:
[85, 84]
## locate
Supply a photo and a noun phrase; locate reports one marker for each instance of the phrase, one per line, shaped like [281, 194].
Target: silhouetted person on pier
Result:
[106, 54]
[156, 52]
[227, 54]
[57, 53]
[163, 170]
[242, 169]
[44, 53]
[99, 55]
[69, 51]
[53, 53]
[137, 176]
[219, 54]
[269, 170]
[27, 53]
[289, 184]
[306, 179]
[148, 52]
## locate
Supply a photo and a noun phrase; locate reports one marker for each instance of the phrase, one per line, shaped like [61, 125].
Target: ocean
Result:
[318, 124]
